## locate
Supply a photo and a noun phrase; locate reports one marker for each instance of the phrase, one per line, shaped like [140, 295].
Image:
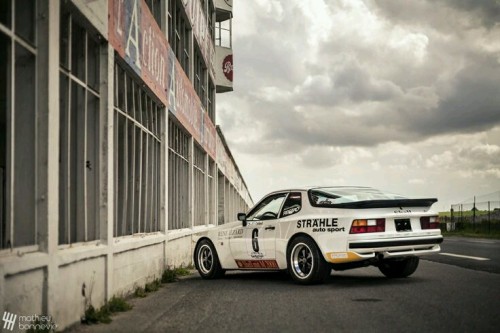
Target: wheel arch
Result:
[198, 243]
[305, 235]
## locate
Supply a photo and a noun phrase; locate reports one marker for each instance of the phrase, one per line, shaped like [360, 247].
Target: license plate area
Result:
[403, 225]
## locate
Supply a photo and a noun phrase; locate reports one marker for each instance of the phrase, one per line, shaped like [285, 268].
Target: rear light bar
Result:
[429, 222]
[365, 226]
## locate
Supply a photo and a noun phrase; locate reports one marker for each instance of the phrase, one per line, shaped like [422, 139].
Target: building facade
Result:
[110, 159]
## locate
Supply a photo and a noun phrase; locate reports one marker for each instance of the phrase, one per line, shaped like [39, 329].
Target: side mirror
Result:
[243, 218]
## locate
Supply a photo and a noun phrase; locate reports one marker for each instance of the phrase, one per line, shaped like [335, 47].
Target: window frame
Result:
[259, 206]
[16, 40]
[75, 223]
[179, 165]
[200, 186]
[179, 34]
[282, 214]
[139, 120]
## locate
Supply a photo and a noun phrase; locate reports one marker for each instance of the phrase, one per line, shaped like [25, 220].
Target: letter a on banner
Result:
[134, 24]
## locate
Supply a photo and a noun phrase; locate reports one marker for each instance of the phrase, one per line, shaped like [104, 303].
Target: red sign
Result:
[227, 67]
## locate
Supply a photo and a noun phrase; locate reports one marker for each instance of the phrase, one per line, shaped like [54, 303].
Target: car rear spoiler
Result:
[385, 203]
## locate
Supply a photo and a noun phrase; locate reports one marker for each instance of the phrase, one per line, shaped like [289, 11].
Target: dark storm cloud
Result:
[472, 105]
[442, 14]
[415, 70]
[488, 11]
[348, 83]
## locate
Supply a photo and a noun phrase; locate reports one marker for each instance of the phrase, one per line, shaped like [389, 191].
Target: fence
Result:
[479, 217]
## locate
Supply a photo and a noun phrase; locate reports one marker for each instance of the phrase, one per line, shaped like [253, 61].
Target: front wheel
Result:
[399, 268]
[306, 265]
[206, 261]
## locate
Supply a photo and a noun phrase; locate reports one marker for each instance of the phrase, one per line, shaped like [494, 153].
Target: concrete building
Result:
[110, 158]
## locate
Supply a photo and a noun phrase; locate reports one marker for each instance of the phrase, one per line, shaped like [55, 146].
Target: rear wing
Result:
[385, 203]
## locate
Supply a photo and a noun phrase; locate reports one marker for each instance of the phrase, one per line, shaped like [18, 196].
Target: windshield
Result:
[327, 196]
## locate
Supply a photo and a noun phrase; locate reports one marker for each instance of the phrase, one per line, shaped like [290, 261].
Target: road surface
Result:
[446, 294]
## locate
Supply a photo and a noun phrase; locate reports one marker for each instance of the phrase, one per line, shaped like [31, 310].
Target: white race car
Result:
[309, 231]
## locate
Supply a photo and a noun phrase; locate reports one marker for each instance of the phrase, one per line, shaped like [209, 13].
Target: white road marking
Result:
[462, 256]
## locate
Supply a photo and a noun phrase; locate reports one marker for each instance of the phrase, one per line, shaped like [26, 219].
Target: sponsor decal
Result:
[234, 233]
[402, 211]
[320, 225]
[255, 240]
[257, 255]
[342, 257]
[257, 264]
[292, 210]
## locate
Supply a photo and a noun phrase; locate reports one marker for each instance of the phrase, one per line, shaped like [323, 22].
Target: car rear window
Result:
[331, 196]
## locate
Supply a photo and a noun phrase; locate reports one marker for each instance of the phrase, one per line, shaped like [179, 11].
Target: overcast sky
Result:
[398, 95]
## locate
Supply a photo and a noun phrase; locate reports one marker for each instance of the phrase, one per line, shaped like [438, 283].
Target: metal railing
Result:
[479, 217]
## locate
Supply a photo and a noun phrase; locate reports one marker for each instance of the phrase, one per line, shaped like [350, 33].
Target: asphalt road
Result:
[439, 297]
[477, 254]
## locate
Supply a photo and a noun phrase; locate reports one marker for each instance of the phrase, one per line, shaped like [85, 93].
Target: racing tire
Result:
[206, 260]
[399, 268]
[306, 264]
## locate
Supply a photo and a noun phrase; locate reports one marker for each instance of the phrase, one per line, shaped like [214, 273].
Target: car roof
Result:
[307, 188]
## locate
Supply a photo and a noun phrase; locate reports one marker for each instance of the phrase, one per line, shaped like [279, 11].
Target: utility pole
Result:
[474, 214]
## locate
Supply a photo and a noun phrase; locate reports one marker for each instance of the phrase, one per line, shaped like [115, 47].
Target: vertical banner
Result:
[202, 33]
[136, 37]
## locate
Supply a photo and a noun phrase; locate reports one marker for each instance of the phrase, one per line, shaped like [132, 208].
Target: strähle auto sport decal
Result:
[320, 225]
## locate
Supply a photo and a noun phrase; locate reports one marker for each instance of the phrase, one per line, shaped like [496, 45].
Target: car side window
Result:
[268, 209]
[293, 204]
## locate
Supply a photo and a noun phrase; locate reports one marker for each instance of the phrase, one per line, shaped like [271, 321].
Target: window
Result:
[199, 171]
[333, 196]
[79, 132]
[179, 33]
[268, 208]
[293, 204]
[223, 33]
[211, 100]
[200, 76]
[178, 177]
[221, 183]
[211, 191]
[18, 122]
[138, 127]
[155, 8]
[211, 15]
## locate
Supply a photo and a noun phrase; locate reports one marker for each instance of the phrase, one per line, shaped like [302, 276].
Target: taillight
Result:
[364, 226]
[429, 222]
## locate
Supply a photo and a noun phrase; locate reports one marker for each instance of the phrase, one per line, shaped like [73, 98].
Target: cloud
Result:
[358, 79]
[382, 92]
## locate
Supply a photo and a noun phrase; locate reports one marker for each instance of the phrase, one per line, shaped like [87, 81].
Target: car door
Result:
[257, 248]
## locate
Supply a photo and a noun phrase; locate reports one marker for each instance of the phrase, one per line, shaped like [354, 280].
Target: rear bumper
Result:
[395, 248]
[395, 243]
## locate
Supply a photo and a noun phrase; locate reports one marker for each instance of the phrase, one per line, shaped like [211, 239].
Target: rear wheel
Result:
[206, 261]
[306, 265]
[399, 268]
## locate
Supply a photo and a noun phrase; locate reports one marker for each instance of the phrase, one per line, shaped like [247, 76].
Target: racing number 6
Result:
[255, 240]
